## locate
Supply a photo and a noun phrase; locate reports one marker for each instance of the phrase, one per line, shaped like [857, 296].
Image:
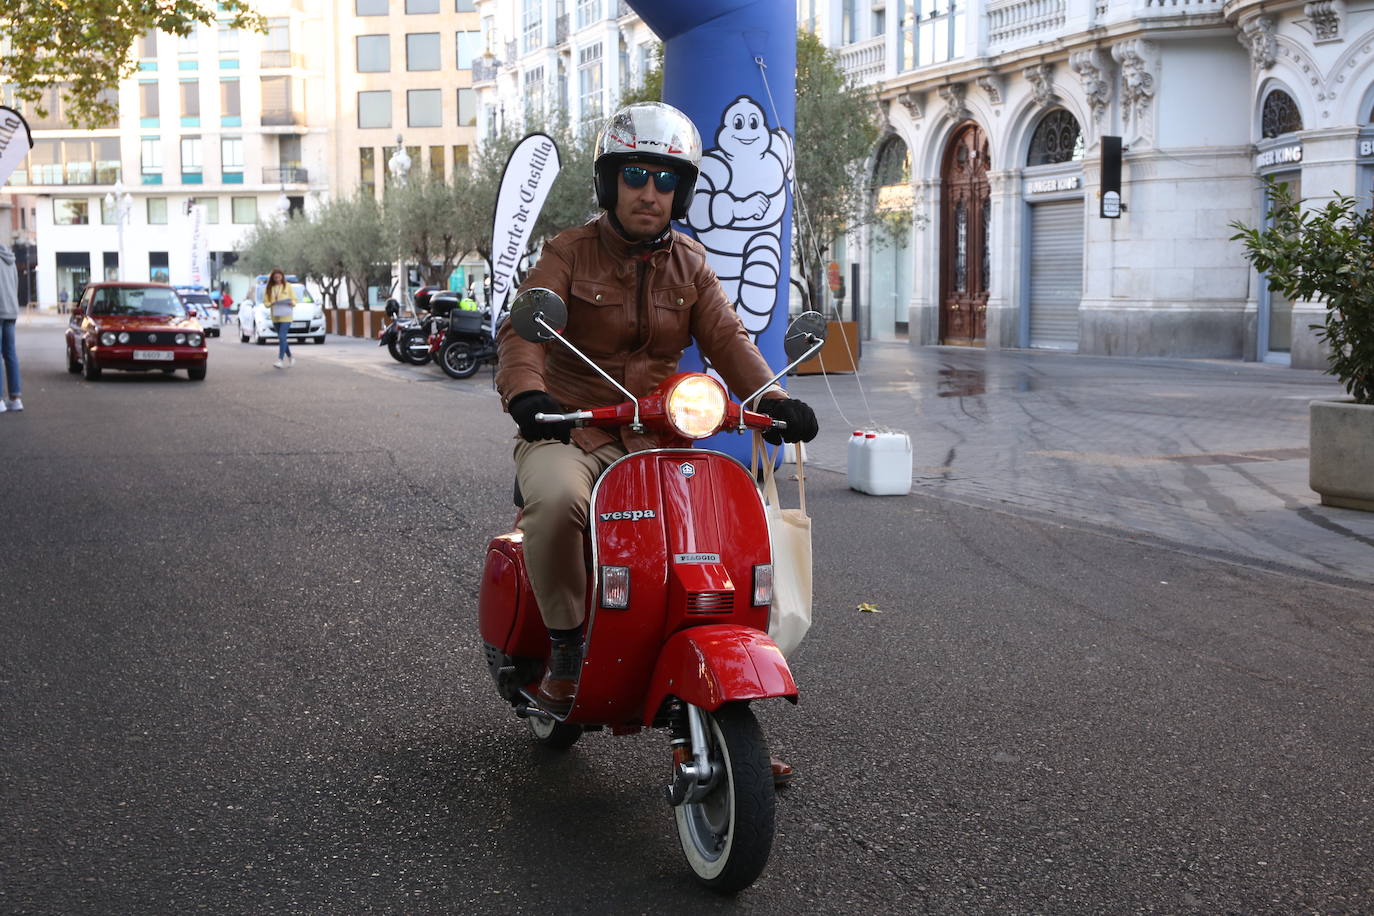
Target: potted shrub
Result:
[1327, 255]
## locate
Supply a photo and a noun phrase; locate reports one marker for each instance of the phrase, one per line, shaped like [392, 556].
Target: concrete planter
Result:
[1341, 467]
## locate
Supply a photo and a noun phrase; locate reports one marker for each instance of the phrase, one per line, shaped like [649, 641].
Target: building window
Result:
[436, 162]
[467, 107]
[150, 149]
[147, 44]
[532, 23]
[371, 7]
[588, 11]
[467, 47]
[277, 108]
[374, 53]
[422, 51]
[1057, 138]
[422, 6]
[157, 211]
[187, 45]
[589, 81]
[107, 160]
[424, 107]
[464, 6]
[534, 93]
[278, 35]
[231, 159]
[374, 108]
[228, 40]
[190, 103]
[367, 169]
[211, 205]
[1280, 115]
[243, 210]
[109, 212]
[71, 211]
[460, 158]
[148, 103]
[158, 271]
[190, 160]
[230, 110]
[928, 32]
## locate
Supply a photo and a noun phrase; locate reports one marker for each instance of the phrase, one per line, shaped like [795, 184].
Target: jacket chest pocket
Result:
[672, 317]
[596, 317]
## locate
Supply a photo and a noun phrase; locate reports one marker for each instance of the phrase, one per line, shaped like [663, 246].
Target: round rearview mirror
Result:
[805, 331]
[534, 308]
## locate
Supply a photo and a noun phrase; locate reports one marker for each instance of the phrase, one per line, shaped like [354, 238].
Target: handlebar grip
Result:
[779, 424]
[576, 417]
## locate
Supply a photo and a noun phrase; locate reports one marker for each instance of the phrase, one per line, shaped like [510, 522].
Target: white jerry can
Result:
[880, 462]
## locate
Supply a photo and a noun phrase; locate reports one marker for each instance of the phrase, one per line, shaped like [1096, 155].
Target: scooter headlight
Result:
[696, 406]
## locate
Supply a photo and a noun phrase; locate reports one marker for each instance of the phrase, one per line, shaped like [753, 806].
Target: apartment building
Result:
[539, 57]
[994, 151]
[231, 122]
[404, 71]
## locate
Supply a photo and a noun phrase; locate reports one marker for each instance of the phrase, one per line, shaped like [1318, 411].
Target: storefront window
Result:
[1057, 138]
[1280, 115]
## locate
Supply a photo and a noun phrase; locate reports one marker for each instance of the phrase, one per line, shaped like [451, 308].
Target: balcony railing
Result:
[1020, 22]
[276, 60]
[484, 70]
[280, 118]
[290, 174]
[865, 60]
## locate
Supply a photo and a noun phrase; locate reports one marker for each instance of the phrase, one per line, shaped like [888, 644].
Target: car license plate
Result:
[154, 354]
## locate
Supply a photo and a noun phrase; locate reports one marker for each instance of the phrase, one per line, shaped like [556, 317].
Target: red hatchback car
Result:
[136, 327]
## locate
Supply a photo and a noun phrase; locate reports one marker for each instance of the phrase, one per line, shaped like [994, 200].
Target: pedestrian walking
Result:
[281, 301]
[62, 302]
[9, 316]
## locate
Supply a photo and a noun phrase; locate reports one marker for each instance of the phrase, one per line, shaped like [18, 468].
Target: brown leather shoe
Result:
[559, 686]
[782, 772]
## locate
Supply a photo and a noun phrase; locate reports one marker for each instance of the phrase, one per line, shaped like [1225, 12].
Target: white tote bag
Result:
[789, 535]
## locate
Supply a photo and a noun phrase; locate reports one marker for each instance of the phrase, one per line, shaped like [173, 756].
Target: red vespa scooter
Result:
[679, 587]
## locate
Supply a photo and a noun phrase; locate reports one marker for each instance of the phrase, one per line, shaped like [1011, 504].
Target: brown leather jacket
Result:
[633, 312]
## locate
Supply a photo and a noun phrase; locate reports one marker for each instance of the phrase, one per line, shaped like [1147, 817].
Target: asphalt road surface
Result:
[239, 673]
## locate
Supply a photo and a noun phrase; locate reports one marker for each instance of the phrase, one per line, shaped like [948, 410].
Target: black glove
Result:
[526, 404]
[800, 420]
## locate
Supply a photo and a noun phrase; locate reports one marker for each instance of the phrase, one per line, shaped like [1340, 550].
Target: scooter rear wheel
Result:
[727, 835]
[557, 736]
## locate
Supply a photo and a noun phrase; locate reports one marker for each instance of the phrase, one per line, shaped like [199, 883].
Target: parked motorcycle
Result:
[390, 335]
[420, 343]
[680, 584]
[468, 344]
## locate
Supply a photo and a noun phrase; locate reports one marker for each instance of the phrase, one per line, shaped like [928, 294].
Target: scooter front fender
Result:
[708, 666]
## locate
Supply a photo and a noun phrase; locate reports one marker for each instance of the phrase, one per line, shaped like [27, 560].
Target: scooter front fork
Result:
[694, 773]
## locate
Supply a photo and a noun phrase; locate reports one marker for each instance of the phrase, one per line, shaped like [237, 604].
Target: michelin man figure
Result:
[737, 211]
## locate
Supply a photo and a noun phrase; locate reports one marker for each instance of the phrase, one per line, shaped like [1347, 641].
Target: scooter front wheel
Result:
[554, 735]
[727, 834]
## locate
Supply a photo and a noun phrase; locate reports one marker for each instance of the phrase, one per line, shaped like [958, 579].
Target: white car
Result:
[255, 319]
[204, 308]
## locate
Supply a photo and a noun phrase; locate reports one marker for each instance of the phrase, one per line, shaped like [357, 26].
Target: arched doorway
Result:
[966, 212]
[889, 254]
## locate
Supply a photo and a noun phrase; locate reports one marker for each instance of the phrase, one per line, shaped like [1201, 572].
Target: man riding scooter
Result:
[637, 293]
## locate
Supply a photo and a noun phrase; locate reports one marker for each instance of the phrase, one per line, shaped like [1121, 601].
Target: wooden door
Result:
[964, 224]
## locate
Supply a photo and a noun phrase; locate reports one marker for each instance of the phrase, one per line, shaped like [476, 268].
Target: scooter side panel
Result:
[656, 513]
[712, 665]
[507, 612]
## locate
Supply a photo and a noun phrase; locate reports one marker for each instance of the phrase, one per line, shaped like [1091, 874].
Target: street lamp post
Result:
[399, 166]
[120, 201]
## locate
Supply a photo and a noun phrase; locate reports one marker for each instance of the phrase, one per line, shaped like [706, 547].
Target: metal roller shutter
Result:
[1056, 273]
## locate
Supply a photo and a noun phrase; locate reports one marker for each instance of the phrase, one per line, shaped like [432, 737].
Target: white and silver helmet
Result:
[648, 132]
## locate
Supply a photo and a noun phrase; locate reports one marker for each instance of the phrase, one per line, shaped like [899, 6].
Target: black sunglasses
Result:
[636, 176]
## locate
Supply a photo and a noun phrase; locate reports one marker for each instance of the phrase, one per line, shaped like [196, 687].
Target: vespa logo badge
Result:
[632, 515]
[688, 469]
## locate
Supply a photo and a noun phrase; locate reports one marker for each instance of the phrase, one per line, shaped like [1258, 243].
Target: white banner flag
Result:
[530, 171]
[200, 248]
[15, 141]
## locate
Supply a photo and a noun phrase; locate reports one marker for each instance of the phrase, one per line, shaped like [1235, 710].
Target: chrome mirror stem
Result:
[635, 424]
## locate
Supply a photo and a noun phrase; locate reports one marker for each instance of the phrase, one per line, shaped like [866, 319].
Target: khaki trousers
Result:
[556, 482]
